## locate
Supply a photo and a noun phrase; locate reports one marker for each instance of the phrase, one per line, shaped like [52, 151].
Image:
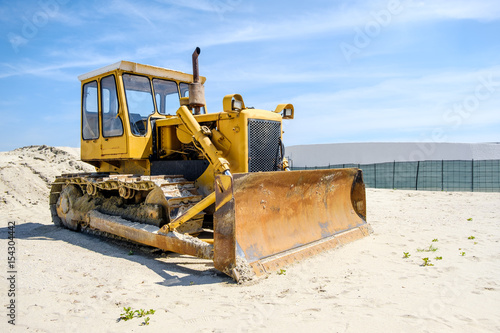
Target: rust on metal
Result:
[190, 213]
[262, 221]
[149, 235]
[280, 217]
[224, 227]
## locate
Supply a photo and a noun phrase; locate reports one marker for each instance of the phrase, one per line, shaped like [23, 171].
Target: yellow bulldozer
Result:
[211, 185]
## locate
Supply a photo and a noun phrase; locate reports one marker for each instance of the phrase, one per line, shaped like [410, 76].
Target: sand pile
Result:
[68, 281]
[26, 174]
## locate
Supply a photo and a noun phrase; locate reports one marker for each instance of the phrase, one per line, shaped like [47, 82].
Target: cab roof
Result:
[132, 67]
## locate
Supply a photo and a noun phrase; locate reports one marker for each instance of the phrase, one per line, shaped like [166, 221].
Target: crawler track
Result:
[128, 196]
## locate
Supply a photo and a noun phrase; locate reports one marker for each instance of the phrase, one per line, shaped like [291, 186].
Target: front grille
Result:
[264, 145]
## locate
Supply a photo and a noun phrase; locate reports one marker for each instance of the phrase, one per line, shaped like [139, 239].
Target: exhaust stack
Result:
[196, 90]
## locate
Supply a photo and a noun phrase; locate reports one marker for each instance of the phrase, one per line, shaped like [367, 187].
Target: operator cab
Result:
[120, 103]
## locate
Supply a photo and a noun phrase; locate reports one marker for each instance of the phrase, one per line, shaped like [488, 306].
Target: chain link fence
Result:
[475, 176]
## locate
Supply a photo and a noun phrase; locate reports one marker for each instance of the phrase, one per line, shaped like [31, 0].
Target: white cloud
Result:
[456, 9]
[336, 19]
[53, 71]
[217, 6]
[381, 97]
[408, 107]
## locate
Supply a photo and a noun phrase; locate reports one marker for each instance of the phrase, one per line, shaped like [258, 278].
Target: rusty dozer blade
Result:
[266, 220]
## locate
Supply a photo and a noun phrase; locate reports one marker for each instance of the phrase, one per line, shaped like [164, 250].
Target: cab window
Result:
[90, 120]
[166, 96]
[111, 123]
[139, 102]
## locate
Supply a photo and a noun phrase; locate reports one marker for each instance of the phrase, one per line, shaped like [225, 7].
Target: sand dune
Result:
[69, 281]
[26, 174]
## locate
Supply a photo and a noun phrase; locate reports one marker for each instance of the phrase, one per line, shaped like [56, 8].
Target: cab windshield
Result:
[140, 102]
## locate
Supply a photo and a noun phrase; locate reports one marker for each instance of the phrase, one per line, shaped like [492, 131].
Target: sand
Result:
[68, 281]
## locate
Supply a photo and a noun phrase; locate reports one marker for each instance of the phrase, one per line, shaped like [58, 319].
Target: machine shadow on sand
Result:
[147, 256]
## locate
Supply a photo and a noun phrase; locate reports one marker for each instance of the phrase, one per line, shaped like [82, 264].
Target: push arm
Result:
[201, 135]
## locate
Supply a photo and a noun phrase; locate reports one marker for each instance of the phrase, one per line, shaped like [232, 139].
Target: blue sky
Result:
[356, 71]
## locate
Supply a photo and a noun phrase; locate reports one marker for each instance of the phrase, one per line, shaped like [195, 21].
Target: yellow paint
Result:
[224, 135]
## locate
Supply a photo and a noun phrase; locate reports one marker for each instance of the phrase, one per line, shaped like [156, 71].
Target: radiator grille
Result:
[264, 145]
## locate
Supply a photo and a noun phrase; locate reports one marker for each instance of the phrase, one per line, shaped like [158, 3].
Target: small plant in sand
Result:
[427, 262]
[462, 253]
[431, 248]
[406, 255]
[435, 240]
[130, 314]
[282, 271]
[438, 258]
[469, 219]
[142, 313]
[471, 237]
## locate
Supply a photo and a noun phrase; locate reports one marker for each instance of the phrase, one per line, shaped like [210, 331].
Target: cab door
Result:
[113, 141]
[90, 134]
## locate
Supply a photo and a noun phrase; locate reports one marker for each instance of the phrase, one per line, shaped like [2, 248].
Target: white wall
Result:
[379, 152]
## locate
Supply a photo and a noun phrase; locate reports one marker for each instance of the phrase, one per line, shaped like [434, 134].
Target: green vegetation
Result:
[431, 248]
[282, 272]
[130, 314]
[427, 262]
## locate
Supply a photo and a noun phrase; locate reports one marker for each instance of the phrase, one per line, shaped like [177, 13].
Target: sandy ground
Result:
[69, 281]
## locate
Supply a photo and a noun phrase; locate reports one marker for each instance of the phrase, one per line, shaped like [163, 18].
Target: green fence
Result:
[475, 176]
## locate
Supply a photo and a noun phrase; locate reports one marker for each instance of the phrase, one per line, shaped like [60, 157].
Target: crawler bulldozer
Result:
[211, 185]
